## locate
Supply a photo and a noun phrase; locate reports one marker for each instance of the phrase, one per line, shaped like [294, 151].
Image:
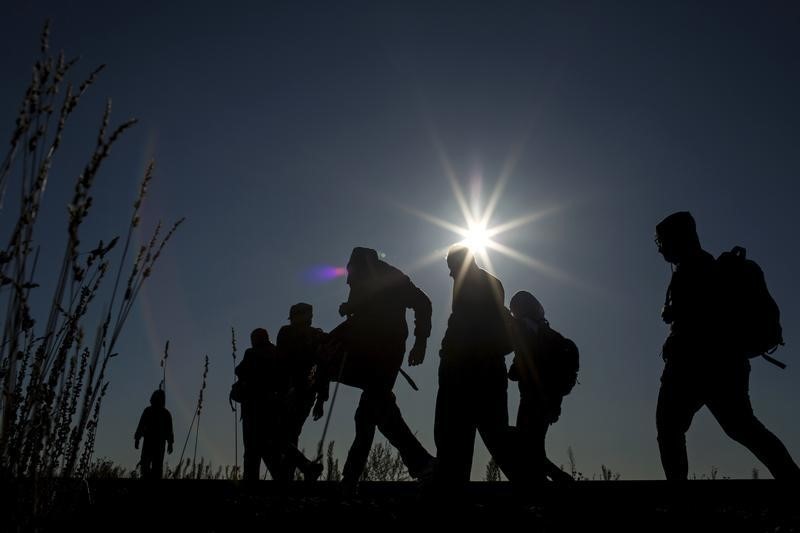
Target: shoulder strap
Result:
[776, 362]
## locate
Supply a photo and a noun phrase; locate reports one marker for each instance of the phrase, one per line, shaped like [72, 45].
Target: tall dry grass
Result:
[198, 410]
[383, 465]
[53, 369]
[234, 407]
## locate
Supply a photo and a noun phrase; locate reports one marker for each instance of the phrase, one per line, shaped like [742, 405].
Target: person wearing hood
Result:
[155, 427]
[545, 369]
[704, 366]
[373, 337]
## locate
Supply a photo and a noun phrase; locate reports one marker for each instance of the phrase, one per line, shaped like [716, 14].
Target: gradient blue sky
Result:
[289, 132]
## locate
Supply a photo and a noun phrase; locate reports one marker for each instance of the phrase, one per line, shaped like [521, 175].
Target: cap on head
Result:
[259, 337]
[525, 305]
[299, 310]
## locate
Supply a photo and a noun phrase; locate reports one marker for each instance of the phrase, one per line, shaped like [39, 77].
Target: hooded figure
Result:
[155, 427]
[689, 308]
[372, 344]
[702, 367]
[541, 368]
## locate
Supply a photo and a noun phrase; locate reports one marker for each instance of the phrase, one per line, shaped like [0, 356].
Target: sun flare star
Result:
[476, 238]
[478, 235]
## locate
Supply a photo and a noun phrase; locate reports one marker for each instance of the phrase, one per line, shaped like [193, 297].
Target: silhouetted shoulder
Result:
[391, 275]
[492, 280]
[245, 366]
[284, 336]
[493, 285]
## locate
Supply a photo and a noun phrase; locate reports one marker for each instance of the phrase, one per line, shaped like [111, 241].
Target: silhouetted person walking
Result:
[374, 339]
[264, 379]
[155, 427]
[545, 367]
[705, 362]
[472, 372]
[300, 344]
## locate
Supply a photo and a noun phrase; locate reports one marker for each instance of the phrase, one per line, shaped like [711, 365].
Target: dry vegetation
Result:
[54, 360]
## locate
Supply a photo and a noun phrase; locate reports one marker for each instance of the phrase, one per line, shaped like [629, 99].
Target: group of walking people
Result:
[706, 358]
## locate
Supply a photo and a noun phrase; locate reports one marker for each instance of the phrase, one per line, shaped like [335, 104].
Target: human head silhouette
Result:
[525, 305]
[301, 314]
[362, 264]
[676, 237]
[259, 337]
[459, 260]
[158, 398]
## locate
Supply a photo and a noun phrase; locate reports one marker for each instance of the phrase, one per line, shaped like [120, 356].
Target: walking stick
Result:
[408, 378]
[330, 408]
[235, 413]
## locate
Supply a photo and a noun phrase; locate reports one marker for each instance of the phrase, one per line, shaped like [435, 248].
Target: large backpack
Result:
[751, 311]
[563, 360]
[555, 355]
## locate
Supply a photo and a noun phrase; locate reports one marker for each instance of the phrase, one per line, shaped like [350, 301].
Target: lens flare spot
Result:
[322, 274]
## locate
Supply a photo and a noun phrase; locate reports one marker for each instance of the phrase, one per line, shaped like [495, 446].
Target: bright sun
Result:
[476, 233]
[477, 238]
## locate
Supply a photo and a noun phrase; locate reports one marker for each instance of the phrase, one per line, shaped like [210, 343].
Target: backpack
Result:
[556, 356]
[563, 359]
[751, 310]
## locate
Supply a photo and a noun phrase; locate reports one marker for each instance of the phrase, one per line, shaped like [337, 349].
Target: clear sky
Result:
[289, 132]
